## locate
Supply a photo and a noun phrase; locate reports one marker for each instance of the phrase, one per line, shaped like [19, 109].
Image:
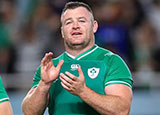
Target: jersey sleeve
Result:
[3, 94]
[37, 77]
[117, 71]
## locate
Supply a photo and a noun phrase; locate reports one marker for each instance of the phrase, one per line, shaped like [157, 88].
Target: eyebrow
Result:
[67, 20]
[82, 18]
[78, 18]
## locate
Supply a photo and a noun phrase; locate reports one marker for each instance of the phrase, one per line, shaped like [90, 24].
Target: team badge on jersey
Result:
[93, 72]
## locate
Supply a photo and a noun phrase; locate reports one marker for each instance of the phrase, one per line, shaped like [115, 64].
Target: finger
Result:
[80, 72]
[64, 86]
[43, 61]
[50, 53]
[60, 65]
[47, 58]
[67, 79]
[73, 77]
[66, 83]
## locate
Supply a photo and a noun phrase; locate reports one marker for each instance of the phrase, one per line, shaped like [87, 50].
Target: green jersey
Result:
[100, 67]
[3, 94]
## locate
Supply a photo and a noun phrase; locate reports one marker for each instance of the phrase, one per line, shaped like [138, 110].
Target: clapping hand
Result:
[49, 72]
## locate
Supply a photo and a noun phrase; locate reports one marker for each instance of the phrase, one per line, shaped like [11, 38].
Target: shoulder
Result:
[106, 54]
[109, 57]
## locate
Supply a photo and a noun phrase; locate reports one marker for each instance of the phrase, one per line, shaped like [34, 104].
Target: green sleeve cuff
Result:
[4, 99]
[118, 82]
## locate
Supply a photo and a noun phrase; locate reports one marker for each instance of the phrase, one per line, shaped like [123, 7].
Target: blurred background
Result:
[130, 28]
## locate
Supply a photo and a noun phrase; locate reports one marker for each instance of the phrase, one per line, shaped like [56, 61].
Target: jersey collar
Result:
[82, 54]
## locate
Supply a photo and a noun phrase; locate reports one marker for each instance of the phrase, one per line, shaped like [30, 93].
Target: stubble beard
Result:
[78, 46]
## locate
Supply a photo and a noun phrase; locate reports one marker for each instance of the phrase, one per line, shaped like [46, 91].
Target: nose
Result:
[76, 25]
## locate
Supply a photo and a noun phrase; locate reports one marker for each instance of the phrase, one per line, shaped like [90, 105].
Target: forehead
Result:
[77, 12]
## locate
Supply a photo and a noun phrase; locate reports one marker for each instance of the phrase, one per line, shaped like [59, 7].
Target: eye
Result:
[68, 22]
[82, 20]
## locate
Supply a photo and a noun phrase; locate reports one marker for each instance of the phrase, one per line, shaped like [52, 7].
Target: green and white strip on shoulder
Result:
[118, 82]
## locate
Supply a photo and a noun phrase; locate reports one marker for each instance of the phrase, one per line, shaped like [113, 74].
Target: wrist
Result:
[44, 87]
[84, 92]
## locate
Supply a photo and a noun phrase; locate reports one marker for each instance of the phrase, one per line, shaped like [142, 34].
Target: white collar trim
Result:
[87, 53]
[73, 57]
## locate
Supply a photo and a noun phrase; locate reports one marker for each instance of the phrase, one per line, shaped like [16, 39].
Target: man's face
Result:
[78, 27]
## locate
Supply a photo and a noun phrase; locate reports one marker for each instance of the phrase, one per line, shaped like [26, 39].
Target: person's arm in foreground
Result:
[116, 101]
[5, 108]
[37, 99]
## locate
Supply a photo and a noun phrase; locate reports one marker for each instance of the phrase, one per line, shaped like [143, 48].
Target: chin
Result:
[79, 46]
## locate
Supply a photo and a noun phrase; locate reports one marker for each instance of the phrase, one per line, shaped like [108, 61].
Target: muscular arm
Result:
[5, 108]
[36, 100]
[116, 101]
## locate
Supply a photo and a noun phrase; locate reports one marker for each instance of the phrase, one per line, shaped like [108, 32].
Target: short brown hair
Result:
[73, 5]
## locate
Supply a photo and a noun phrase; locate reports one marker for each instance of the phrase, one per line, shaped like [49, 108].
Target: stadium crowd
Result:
[29, 29]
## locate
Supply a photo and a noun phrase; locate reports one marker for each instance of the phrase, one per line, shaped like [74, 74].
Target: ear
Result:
[62, 32]
[95, 26]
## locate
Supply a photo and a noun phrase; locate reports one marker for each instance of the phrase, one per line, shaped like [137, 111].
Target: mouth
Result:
[76, 33]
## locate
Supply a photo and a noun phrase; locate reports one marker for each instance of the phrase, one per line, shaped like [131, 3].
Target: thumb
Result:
[80, 72]
[60, 65]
